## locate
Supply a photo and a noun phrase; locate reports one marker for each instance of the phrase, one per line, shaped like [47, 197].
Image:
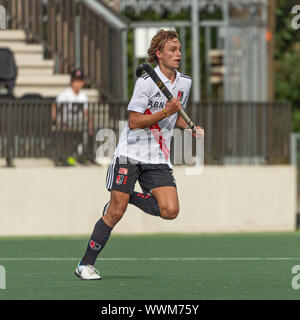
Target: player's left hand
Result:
[199, 132]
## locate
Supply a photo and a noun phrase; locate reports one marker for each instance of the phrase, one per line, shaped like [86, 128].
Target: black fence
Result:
[235, 133]
[244, 132]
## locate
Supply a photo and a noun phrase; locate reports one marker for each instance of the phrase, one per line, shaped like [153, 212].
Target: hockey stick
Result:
[153, 75]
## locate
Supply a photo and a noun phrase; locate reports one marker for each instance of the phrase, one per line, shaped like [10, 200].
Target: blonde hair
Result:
[158, 42]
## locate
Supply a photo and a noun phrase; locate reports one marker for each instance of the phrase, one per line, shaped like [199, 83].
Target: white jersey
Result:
[66, 99]
[152, 145]
[69, 96]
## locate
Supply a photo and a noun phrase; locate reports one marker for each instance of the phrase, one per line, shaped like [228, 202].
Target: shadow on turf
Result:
[112, 277]
[125, 277]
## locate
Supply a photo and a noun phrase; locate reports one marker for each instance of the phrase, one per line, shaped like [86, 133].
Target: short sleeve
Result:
[60, 98]
[84, 97]
[140, 97]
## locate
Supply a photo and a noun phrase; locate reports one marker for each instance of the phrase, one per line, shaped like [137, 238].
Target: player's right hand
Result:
[173, 106]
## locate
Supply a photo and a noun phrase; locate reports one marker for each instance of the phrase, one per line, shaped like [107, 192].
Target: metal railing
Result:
[235, 133]
[244, 132]
[82, 33]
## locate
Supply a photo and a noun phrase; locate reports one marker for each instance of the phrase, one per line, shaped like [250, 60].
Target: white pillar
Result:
[2, 18]
[196, 51]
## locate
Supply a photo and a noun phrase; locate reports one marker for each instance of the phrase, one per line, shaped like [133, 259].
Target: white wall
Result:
[49, 200]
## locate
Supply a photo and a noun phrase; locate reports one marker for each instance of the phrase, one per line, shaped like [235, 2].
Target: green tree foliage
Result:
[287, 60]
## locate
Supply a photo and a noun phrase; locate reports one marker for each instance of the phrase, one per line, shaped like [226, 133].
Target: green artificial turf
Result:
[158, 266]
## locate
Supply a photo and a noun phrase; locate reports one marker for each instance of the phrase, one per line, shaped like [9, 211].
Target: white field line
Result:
[158, 259]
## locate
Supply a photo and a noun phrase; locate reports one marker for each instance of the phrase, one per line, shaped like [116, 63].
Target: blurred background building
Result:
[243, 62]
[227, 45]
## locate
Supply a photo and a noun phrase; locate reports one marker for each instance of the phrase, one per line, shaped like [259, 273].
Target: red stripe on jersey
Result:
[155, 129]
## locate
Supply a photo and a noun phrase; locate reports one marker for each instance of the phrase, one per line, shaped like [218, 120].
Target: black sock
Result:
[147, 203]
[99, 237]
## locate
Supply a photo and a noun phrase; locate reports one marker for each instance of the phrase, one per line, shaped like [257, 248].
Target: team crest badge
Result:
[94, 245]
[180, 95]
[119, 179]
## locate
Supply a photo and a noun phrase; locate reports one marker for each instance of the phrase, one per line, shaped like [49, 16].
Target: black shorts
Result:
[123, 177]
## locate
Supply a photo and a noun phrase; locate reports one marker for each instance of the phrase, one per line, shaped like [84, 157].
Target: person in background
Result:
[69, 111]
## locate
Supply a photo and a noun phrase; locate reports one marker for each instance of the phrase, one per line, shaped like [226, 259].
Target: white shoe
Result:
[87, 272]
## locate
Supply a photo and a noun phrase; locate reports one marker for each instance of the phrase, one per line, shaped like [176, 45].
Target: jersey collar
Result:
[164, 78]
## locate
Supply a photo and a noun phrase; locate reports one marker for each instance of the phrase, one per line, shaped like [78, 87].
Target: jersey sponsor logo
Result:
[119, 179]
[180, 95]
[157, 94]
[123, 170]
[94, 245]
[156, 104]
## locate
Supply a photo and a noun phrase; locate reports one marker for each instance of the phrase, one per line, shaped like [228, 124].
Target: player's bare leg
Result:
[168, 203]
[117, 207]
